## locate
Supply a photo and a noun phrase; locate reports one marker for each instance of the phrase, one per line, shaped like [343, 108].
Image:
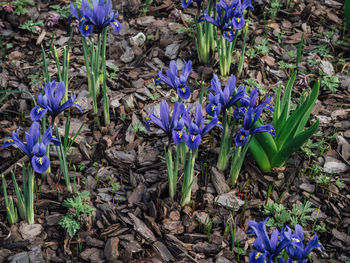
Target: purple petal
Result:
[40, 163]
[193, 141]
[37, 113]
[184, 92]
[164, 114]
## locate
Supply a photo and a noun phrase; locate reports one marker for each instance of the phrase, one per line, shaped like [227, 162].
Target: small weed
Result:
[281, 217]
[250, 53]
[21, 6]
[115, 186]
[31, 26]
[138, 127]
[330, 82]
[62, 10]
[263, 48]
[154, 96]
[77, 210]
[122, 117]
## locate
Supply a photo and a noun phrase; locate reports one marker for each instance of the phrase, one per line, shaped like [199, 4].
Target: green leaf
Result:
[277, 112]
[266, 141]
[285, 104]
[296, 122]
[300, 50]
[293, 145]
[260, 156]
[310, 101]
[347, 14]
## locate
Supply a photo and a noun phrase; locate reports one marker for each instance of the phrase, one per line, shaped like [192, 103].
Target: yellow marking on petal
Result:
[183, 90]
[179, 133]
[219, 122]
[238, 19]
[10, 140]
[257, 255]
[213, 108]
[116, 23]
[193, 137]
[86, 27]
[241, 139]
[229, 33]
[296, 240]
[239, 110]
[186, 1]
[271, 130]
[82, 19]
[268, 105]
[40, 160]
[39, 110]
[233, 8]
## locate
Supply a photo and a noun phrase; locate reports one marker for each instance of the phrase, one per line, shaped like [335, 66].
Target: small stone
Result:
[172, 50]
[111, 249]
[229, 200]
[310, 188]
[53, 220]
[90, 184]
[145, 21]
[327, 67]
[105, 197]
[127, 56]
[137, 84]
[30, 231]
[334, 166]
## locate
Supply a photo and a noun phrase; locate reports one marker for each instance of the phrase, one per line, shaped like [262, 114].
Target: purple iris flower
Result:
[186, 3]
[266, 248]
[172, 79]
[251, 116]
[214, 107]
[235, 11]
[176, 126]
[34, 148]
[50, 102]
[226, 98]
[296, 251]
[222, 21]
[196, 129]
[179, 132]
[100, 16]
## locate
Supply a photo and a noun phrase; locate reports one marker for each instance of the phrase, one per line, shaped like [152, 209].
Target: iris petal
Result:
[37, 113]
[40, 163]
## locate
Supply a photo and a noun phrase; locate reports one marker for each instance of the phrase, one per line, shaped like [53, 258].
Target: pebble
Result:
[334, 166]
[138, 40]
[127, 56]
[172, 50]
[229, 200]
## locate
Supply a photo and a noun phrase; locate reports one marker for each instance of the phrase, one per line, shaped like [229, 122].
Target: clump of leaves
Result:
[78, 209]
[330, 82]
[21, 6]
[31, 26]
[263, 48]
[281, 217]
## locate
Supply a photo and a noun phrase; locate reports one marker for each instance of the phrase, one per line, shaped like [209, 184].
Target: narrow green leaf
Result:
[259, 155]
[296, 122]
[293, 145]
[310, 101]
[347, 14]
[300, 50]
